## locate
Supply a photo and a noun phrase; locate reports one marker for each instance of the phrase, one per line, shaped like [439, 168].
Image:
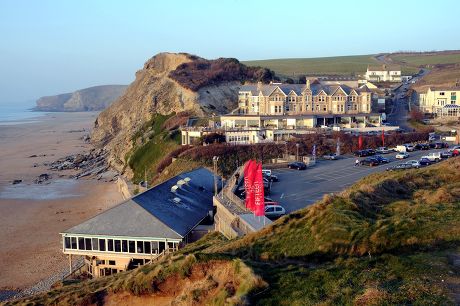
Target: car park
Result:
[274, 211]
[413, 163]
[271, 177]
[297, 165]
[440, 145]
[331, 156]
[383, 150]
[402, 155]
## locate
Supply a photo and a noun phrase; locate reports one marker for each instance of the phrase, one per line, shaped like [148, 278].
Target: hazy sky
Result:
[51, 47]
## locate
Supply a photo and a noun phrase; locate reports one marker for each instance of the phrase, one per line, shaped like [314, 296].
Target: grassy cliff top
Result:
[392, 238]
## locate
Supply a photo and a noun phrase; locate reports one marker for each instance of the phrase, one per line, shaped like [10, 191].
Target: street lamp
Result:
[215, 159]
[297, 145]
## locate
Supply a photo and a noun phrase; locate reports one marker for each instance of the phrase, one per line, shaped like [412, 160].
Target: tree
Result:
[416, 114]
[289, 81]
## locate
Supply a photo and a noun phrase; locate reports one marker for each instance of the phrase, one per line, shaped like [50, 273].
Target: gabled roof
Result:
[157, 212]
[298, 89]
[383, 68]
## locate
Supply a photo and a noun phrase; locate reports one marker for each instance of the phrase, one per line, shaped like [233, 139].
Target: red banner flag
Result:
[249, 184]
[383, 137]
[259, 192]
[360, 142]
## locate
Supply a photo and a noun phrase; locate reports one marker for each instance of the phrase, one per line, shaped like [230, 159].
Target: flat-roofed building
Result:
[159, 220]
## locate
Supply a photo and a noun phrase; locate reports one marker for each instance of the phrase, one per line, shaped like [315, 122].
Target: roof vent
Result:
[174, 188]
[176, 200]
[187, 179]
[181, 182]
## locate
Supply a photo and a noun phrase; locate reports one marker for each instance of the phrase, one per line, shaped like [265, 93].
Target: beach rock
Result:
[15, 182]
[42, 178]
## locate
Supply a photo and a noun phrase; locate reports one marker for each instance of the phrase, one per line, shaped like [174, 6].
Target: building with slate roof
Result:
[440, 101]
[383, 73]
[159, 220]
[277, 111]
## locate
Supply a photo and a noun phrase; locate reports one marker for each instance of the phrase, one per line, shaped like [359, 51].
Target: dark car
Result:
[361, 153]
[422, 146]
[425, 162]
[371, 162]
[446, 154]
[381, 159]
[297, 165]
[440, 145]
[271, 177]
[370, 151]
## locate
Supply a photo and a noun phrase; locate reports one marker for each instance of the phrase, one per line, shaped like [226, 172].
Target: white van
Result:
[401, 148]
[433, 156]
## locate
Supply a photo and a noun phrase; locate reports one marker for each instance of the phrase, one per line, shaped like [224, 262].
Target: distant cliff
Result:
[171, 83]
[88, 99]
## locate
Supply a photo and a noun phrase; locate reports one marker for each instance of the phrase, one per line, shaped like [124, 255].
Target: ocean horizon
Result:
[15, 113]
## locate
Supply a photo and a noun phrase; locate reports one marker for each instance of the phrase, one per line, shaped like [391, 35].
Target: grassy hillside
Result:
[446, 76]
[427, 59]
[392, 238]
[293, 67]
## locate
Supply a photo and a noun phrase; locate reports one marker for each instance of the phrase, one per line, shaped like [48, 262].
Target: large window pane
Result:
[74, 242]
[132, 246]
[140, 247]
[154, 246]
[162, 246]
[95, 244]
[117, 246]
[101, 244]
[147, 248]
[124, 246]
[67, 242]
[88, 244]
[81, 243]
[110, 245]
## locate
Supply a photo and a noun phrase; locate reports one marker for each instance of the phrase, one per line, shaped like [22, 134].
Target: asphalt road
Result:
[298, 189]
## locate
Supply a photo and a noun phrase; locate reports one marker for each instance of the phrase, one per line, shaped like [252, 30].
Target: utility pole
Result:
[297, 152]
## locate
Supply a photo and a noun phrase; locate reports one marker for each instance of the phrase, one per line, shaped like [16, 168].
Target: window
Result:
[95, 244]
[111, 262]
[110, 245]
[278, 209]
[154, 246]
[88, 244]
[117, 246]
[442, 93]
[147, 247]
[81, 243]
[140, 247]
[101, 244]
[74, 243]
[270, 209]
[162, 246]
[67, 242]
[132, 246]
[124, 246]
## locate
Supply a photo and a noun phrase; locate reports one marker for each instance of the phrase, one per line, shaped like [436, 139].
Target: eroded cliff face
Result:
[153, 91]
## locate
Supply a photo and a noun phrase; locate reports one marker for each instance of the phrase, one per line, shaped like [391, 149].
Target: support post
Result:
[70, 263]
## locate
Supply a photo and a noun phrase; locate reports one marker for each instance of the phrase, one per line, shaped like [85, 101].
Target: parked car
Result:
[422, 146]
[401, 148]
[433, 156]
[409, 147]
[370, 152]
[371, 162]
[297, 165]
[455, 152]
[267, 172]
[274, 211]
[414, 163]
[331, 156]
[271, 177]
[361, 153]
[425, 162]
[383, 150]
[440, 145]
[402, 155]
[399, 167]
[454, 148]
[446, 154]
[381, 159]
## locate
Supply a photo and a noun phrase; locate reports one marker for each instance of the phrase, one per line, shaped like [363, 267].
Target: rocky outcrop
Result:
[89, 99]
[170, 82]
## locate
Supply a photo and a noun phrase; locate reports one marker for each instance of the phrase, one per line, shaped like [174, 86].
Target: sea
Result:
[18, 113]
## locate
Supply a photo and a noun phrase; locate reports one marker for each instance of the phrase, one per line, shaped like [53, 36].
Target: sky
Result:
[52, 47]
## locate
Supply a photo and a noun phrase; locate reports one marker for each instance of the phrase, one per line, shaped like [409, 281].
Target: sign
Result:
[249, 177]
[259, 203]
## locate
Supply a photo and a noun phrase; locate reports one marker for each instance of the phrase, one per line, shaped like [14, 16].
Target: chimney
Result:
[308, 84]
[259, 86]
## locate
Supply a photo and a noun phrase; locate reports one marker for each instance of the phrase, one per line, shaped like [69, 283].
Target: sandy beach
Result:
[32, 215]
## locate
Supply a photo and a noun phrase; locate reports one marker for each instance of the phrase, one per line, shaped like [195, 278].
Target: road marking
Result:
[282, 195]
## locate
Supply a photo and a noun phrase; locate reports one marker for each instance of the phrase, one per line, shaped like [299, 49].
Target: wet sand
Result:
[32, 215]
